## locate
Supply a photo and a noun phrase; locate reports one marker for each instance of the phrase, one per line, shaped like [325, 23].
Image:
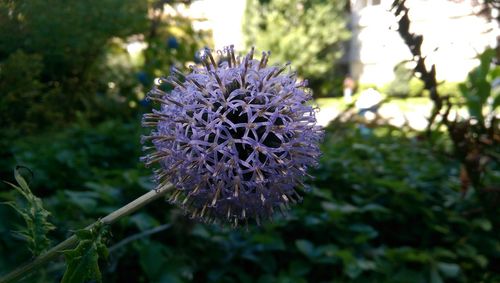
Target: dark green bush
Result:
[311, 33]
[55, 50]
[61, 62]
[384, 207]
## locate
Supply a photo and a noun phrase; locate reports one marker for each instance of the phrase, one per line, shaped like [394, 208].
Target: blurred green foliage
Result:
[21, 89]
[405, 84]
[34, 215]
[311, 32]
[477, 89]
[60, 61]
[385, 206]
[50, 53]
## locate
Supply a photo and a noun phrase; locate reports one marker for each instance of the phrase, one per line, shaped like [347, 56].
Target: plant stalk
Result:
[111, 218]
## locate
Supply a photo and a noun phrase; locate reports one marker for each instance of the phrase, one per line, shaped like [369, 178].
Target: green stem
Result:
[111, 218]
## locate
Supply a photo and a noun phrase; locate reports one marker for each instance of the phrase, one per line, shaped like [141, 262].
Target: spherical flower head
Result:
[235, 138]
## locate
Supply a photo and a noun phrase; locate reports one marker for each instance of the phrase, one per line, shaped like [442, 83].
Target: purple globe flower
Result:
[236, 138]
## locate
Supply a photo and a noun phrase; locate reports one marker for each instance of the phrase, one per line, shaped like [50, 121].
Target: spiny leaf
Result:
[20, 180]
[35, 216]
[83, 261]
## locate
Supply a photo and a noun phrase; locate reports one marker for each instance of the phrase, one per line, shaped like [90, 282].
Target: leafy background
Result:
[386, 204]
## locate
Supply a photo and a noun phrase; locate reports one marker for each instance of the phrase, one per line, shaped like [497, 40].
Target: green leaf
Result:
[269, 242]
[449, 269]
[482, 223]
[152, 258]
[434, 275]
[83, 261]
[35, 216]
[20, 180]
[339, 208]
[353, 270]
[87, 201]
[144, 221]
[477, 89]
[363, 232]
[84, 234]
[496, 102]
[306, 247]
[299, 268]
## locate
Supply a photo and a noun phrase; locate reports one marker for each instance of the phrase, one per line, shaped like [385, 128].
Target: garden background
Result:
[386, 204]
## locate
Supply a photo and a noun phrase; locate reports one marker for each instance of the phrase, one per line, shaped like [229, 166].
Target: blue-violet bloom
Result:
[234, 137]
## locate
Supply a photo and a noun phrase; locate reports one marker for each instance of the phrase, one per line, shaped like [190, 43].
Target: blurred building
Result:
[454, 34]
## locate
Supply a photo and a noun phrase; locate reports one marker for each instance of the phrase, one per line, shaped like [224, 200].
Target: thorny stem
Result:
[111, 218]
